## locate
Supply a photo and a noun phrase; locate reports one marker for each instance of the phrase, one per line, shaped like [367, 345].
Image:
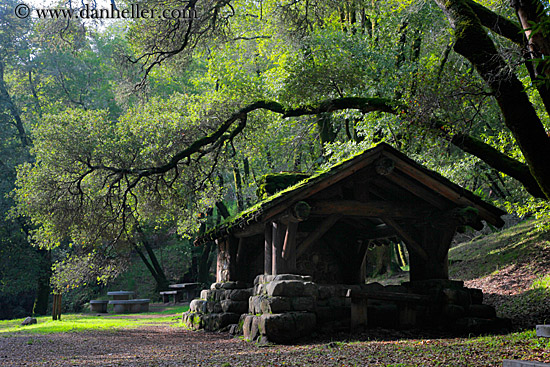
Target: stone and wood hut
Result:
[321, 228]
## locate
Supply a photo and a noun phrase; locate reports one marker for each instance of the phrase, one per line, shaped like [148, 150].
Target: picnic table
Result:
[183, 292]
[121, 295]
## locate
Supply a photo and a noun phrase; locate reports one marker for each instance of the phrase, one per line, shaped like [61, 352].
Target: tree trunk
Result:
[531, 14]
[153, 266]
[473, 42]
[43, 283]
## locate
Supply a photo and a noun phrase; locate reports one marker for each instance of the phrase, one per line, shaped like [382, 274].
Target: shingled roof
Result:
[426, 184]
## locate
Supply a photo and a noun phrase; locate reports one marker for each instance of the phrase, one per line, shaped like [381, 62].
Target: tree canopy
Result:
[152, 123]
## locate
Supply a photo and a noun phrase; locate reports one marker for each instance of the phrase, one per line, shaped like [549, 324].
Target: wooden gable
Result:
[374, 197]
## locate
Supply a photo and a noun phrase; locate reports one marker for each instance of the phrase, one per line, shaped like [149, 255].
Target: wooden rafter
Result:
[417, 189]
[323, 228]
[406, 236]
[457, 196]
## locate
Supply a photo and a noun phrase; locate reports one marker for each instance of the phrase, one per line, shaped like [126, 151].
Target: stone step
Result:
[543, 331]
[511, 363]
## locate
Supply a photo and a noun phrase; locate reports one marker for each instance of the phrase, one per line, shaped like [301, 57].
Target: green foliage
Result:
[271, 183]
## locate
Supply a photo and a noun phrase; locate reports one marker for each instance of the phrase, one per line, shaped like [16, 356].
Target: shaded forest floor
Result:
[165, 345]
[512, 267]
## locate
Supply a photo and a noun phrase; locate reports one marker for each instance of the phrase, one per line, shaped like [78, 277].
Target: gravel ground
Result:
[163, 345]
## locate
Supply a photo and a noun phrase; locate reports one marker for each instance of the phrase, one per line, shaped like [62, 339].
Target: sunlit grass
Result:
[542, 283]
[84, 322]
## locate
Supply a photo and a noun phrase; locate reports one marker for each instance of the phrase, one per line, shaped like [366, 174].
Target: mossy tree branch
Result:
[473, 42]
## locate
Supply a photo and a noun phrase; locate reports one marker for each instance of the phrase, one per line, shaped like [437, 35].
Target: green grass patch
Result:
[487, 254]
[86, 322]
[542, 283]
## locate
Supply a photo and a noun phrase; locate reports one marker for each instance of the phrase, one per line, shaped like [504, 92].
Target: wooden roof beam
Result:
[316, 235]
[418, 190]
[368, 209]
[455, 195]
[407, 237]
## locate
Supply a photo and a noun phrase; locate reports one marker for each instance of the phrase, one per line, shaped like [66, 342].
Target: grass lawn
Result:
[82, 322]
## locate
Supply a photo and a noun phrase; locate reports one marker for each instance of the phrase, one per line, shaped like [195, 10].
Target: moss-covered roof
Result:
[257, 213]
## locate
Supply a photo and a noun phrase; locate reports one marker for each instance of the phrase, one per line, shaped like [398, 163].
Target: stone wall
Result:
[218, 307]
[281, 309]
[286, 307]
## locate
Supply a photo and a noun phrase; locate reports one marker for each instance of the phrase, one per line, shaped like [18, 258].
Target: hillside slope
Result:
[512, 267]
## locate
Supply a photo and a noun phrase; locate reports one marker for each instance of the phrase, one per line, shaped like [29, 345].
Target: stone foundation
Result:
[220, 306]
[281, 309]
[286, 307]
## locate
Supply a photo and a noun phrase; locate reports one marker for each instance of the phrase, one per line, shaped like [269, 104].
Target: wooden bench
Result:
[404, 301]
[166, 296]
[130, 305]
[186, 292]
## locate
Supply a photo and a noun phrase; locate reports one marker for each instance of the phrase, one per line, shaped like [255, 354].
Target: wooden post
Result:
[358, 310]
[278, 237]
[232, 248]
[362, 274]
[221, 263]
[289, 247]
[268, 235]
[241, 267]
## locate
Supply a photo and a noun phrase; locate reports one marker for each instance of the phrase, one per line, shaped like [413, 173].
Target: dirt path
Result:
[163, 345]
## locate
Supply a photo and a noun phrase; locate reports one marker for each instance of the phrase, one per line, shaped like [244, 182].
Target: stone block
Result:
[263, 278]
[311, 289]
[259, 289]
[198, 305]
[459, 297]
[303, 278]
[239, 307]
[453, 312]
[515, 363]
[325, 292]
[275, 304]
[286, 288]
[240, 294]
[218, 321]
[336, 302]
[286, 327]
[250, 332]
[303, 304]
[477, 325]
[254, 304]
[193, 320]
[205, 294]
[482, 311]
[213, 307]
[476, 295]
[233, 285]
[29, 321]
[543, 331]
